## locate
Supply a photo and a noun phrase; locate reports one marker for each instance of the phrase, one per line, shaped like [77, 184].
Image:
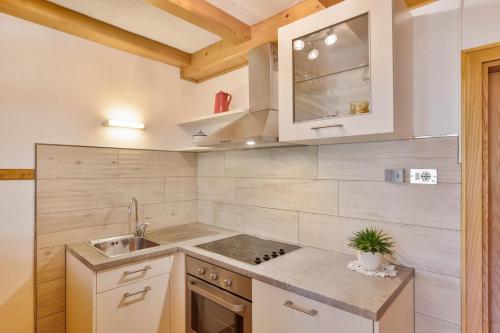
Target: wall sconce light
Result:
[125, 124]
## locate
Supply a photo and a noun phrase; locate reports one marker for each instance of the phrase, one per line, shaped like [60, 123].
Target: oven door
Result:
[213, 310]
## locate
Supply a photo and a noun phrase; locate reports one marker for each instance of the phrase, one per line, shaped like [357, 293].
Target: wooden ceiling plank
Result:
[208, 17]
[62, 19]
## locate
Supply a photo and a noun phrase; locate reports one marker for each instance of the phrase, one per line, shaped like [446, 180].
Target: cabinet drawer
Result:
[277, 310]
[137, 307]
[126, 274]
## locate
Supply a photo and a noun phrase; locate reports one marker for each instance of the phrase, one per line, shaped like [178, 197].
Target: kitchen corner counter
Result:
[168, 238]
[314, 273]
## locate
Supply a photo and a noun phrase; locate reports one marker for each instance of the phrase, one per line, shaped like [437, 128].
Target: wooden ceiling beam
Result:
[62, 19]
[209, 61]
[208, 17]
[221, 58]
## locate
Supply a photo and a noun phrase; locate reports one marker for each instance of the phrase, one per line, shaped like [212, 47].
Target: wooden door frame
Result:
[474, 140]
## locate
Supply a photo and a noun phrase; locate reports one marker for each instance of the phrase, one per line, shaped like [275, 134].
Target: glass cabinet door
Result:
[331, 71]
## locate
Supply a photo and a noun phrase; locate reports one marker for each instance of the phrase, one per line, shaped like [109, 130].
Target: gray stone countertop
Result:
[314, 273]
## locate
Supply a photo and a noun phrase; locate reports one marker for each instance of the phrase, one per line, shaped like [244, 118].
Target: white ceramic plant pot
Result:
[369, 261]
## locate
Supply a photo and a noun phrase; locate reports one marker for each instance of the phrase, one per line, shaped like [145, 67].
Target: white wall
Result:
[480, 23]
[56, 88]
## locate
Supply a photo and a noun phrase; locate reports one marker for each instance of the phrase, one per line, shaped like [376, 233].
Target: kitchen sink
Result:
[115, 246]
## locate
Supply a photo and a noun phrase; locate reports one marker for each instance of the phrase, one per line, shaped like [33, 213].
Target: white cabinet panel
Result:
[139, 307]
[271, 315]
[370, 62]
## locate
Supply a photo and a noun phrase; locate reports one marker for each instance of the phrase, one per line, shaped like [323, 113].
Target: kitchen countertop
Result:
[314, 273]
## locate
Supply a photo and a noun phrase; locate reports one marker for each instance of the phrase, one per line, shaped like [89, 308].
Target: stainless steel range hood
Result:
[258, 128]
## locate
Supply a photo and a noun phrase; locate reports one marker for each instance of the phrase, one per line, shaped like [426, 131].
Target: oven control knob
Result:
[228, 282]
[266, 257]
[274, 254]
[257, 260]
[201, 270]
[282, 251]
[213, 276]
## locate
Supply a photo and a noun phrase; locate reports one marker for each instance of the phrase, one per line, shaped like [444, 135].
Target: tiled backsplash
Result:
[83, 193]
[319, 195]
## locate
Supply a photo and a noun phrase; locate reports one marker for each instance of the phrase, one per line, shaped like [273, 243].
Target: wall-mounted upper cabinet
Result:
[345, 74]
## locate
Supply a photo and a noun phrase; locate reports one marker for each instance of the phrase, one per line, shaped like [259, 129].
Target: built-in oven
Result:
[218, 300]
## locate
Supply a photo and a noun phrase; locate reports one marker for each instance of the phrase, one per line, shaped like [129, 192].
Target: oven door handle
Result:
[198, 289]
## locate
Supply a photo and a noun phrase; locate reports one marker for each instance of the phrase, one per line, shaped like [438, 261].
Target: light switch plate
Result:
[395, 176]
[423, 176]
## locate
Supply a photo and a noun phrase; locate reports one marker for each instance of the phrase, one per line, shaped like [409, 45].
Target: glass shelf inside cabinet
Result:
[331, 71]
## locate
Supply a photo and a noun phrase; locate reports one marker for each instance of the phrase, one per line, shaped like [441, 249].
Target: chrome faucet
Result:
[140, 228]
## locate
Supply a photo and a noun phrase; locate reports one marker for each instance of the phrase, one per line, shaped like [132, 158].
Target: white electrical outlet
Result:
[423, 176]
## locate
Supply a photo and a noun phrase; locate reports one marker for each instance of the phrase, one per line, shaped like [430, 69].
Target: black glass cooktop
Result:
[249, 249]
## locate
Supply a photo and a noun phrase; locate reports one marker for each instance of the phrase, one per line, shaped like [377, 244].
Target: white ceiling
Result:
[140, 17]
[253, 11]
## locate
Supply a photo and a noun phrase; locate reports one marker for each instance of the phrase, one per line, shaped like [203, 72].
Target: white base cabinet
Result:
[130, 298]
[277, 310]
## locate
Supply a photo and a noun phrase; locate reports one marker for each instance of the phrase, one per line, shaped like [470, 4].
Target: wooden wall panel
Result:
[294, 162]
[367, 161]
[17, 174]
[149, 163]
[76, 162]
[62, 195]
[83, 194]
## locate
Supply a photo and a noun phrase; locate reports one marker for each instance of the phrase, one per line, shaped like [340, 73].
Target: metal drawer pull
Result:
[146, 289]
[137, 271]
[311, 312]
[326, 126]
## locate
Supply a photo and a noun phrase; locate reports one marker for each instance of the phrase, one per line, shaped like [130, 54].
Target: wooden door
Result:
[493, 130]
[480, 142]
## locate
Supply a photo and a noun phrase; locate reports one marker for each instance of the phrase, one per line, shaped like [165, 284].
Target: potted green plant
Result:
[371, 244]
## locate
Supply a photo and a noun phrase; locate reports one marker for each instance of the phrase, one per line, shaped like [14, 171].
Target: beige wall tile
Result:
[50, 297]
[265, 222]
[50, 263]
[55, 323]
[205, 212]
[292, 162]
[78, 194]
[76, 162]
[151, 163]
[211, 164]
[180, 188]
[437, 296]
[306, 195]
[216, 189]
[170, 214]
[431, 249]
[83, 234]
[426, 205]
[61, 221]
[367, 161]
[426, 324]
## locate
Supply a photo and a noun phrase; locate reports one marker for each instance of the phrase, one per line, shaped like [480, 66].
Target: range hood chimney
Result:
[258, 128]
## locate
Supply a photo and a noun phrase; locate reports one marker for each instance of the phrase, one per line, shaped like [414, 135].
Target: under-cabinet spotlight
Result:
[298, 44]
[125, 124]
[313, 54]
[250, 143]
[331, 39]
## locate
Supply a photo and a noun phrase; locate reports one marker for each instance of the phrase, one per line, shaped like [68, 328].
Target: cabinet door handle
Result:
[146, 289]
[137, 271]
[326, 126]
[311, 312]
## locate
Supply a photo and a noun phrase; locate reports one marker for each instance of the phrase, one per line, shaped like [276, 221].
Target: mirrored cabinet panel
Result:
[331, 71]
[345, 74]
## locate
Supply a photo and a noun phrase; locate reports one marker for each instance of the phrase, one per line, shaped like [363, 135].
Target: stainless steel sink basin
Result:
[115, 246]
